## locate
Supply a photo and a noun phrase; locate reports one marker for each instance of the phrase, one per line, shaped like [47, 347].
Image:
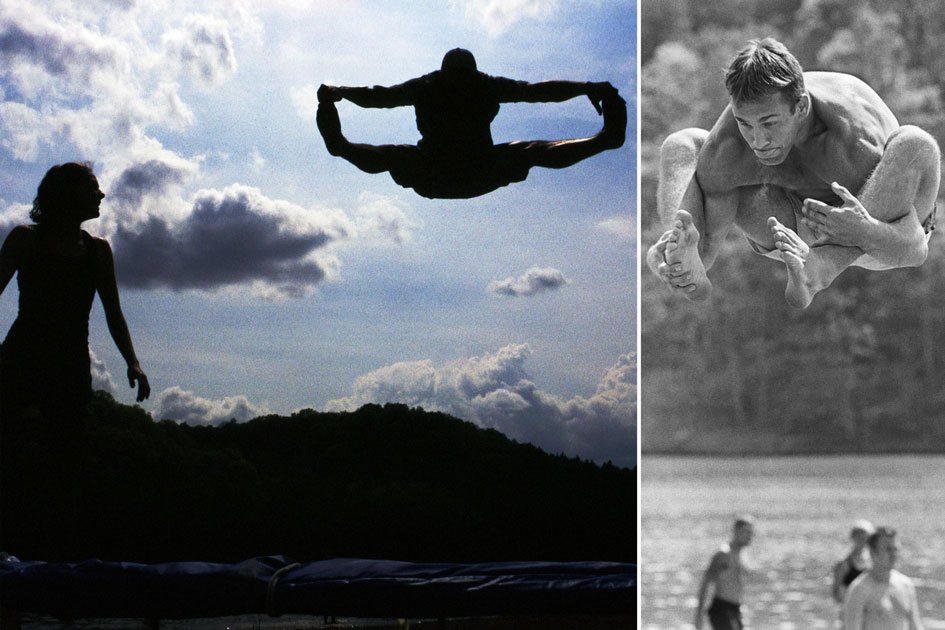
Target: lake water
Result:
[803, 507]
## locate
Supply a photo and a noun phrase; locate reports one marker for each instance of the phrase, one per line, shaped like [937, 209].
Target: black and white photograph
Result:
[792, 315]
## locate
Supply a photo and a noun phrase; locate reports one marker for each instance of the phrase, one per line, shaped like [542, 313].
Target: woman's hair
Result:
[56, 193]
[764, 67]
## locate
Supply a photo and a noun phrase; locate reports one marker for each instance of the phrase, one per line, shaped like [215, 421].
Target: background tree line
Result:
[862, 368]
[382, 482]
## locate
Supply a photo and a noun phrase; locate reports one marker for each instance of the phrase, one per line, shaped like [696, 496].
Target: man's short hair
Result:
[458, 59]
[881, 532]
[744, 520]
[764, 67]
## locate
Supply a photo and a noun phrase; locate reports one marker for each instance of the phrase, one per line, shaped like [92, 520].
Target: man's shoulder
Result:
[722, 555]
[900, 578]
[430, 78]
[503, 85]
[849, 107]
[725, 157]
[841, 80]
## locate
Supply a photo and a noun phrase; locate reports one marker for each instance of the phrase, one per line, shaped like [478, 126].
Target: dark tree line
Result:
[382, 482]
[862, 368]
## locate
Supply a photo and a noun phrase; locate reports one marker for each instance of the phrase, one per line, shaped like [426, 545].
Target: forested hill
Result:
[380, 482]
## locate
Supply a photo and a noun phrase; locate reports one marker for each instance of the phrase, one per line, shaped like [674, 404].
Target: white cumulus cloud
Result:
[202, 48]
[186, 407]
[101, 377]
[495, 391]
[498, 16]
[304, 100]
[383, 217]
[535, 280]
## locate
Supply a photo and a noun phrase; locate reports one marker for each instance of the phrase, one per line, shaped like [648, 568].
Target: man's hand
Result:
[597, 92]
[328, 94]
[843, 225]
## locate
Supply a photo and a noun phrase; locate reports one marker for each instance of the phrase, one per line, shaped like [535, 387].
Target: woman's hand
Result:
[135, 373]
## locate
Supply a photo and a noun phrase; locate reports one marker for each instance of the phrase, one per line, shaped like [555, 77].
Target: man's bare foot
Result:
[614, 131]
[326, 117]
[682, 256]
[796, 255]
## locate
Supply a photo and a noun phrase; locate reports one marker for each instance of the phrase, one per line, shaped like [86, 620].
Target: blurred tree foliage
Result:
[381, 482]
[862, 368]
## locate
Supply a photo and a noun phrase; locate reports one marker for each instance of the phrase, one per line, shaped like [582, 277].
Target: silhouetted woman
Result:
[44, 361]
[45, 371]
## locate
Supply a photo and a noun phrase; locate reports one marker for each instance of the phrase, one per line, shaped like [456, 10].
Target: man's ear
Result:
[803, 104]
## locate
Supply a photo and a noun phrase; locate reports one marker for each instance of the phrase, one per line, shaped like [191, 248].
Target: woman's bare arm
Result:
[117, 326]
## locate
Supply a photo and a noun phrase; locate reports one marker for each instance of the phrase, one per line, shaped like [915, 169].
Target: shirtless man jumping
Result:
[812, 166]
[725, 575]
[455, 105]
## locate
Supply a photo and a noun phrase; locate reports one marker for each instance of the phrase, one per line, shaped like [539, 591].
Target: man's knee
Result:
[915, 144]
[683, 146]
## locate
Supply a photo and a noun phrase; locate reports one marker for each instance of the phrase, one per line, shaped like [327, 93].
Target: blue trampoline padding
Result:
[346, 587]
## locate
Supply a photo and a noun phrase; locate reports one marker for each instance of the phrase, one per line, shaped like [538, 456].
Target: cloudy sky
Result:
[260, 274]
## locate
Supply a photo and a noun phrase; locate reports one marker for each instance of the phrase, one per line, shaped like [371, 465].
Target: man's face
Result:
[743, 534]
[886, 552]
[769, 126]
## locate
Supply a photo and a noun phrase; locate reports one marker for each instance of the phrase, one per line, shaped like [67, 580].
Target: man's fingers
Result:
[843, 193]
[814, 206]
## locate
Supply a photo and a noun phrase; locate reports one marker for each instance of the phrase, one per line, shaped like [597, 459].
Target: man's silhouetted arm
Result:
[557, 91]
[377, 96]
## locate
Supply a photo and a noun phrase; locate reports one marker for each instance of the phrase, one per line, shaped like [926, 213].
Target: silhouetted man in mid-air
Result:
[455, 105]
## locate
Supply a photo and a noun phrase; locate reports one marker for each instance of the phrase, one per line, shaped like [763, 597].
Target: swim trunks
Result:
[459, 173]
[725, 615]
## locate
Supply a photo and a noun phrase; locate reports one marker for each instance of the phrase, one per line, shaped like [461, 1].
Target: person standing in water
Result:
[725, 576]
[882, 598]
[855, 562]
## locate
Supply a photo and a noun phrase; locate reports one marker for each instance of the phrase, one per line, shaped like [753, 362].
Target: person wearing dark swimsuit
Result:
[855, 562]
[455, 105]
